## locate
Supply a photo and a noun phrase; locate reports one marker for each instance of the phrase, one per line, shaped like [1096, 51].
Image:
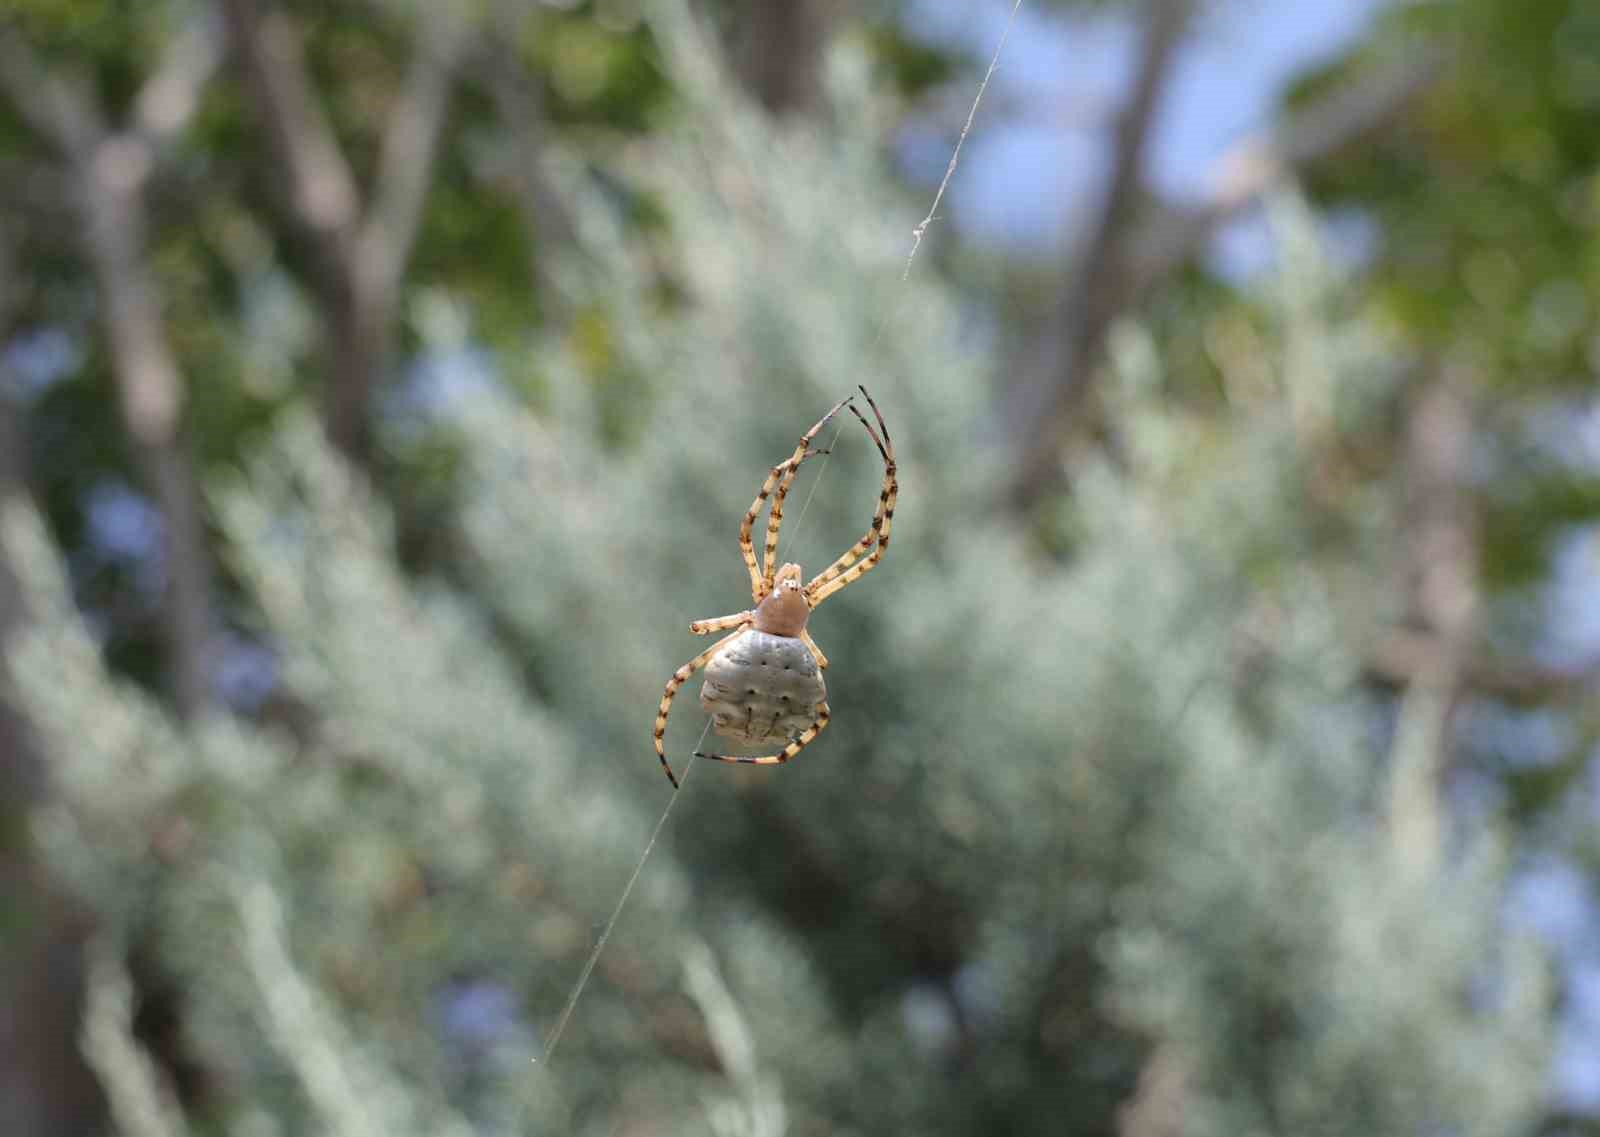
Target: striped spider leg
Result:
[739, 619]
[780, 479]
[788, 752]
[845, 570]
[679, 678]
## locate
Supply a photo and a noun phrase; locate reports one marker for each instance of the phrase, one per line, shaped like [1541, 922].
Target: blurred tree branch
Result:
[1091, 301]
[109, 171]
[518, 103]
[1403, 655]
[1444, 576]
[1121, 265]
[1252, 166]
[1160, 1100]
[362, 247]
[167, 101]
[778, 52]
[1442, 589]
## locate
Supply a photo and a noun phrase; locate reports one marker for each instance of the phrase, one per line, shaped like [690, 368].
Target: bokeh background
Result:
[381, 385]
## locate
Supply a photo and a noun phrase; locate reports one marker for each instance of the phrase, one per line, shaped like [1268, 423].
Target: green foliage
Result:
[1072, 821]
[1484, 203]
[113, 42]
[1500, 267]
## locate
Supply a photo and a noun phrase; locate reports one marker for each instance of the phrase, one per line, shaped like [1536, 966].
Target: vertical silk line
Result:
[655, 834]
[916, 242]
[616, 913]
[949, 171]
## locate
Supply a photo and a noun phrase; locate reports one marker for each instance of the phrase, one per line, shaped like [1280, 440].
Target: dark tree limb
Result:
[58, 108]
[1042, 410]
[778, 52]
[410, 147]
[362, 246]
[109, 171]
[520, 107]
[171, 95]
[322, 193]
[1254, 165]
[1443, 589]
[1121, 264]
[1403, 656]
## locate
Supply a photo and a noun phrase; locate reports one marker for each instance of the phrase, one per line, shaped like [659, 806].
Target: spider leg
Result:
[769, 558]
[779, 476]
[845, 570]
[805, 638]
[779, 479]
[679, 678]
[788, 751]
[721, 623]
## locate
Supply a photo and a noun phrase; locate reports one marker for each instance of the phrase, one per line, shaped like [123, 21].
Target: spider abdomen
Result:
[762, 686]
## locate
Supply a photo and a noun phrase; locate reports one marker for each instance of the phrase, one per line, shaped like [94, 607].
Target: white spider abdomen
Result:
[762, 687]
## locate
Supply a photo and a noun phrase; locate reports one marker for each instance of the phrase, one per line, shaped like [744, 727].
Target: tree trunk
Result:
[363, 245]
[1045, 410]
[150, 395]
[1442, 584]
[778, 52]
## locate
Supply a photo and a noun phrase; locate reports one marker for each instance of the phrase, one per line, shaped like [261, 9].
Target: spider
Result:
[764, 680]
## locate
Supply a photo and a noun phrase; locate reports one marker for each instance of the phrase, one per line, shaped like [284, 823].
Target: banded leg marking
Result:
[679, 678]
[857, 571]
[721, 623]
[805, 638]
[788, 752]
[845, 570]
[780, 478]
[769, 558]
[747, 548]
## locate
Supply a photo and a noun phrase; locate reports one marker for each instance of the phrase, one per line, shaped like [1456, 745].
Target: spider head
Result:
[784, 610]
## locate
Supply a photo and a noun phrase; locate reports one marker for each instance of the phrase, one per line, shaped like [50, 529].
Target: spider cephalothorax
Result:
[783, 611]
[764, 680]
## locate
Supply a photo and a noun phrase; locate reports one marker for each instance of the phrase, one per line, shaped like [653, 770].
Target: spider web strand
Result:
[616, 913]
[955, 157]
